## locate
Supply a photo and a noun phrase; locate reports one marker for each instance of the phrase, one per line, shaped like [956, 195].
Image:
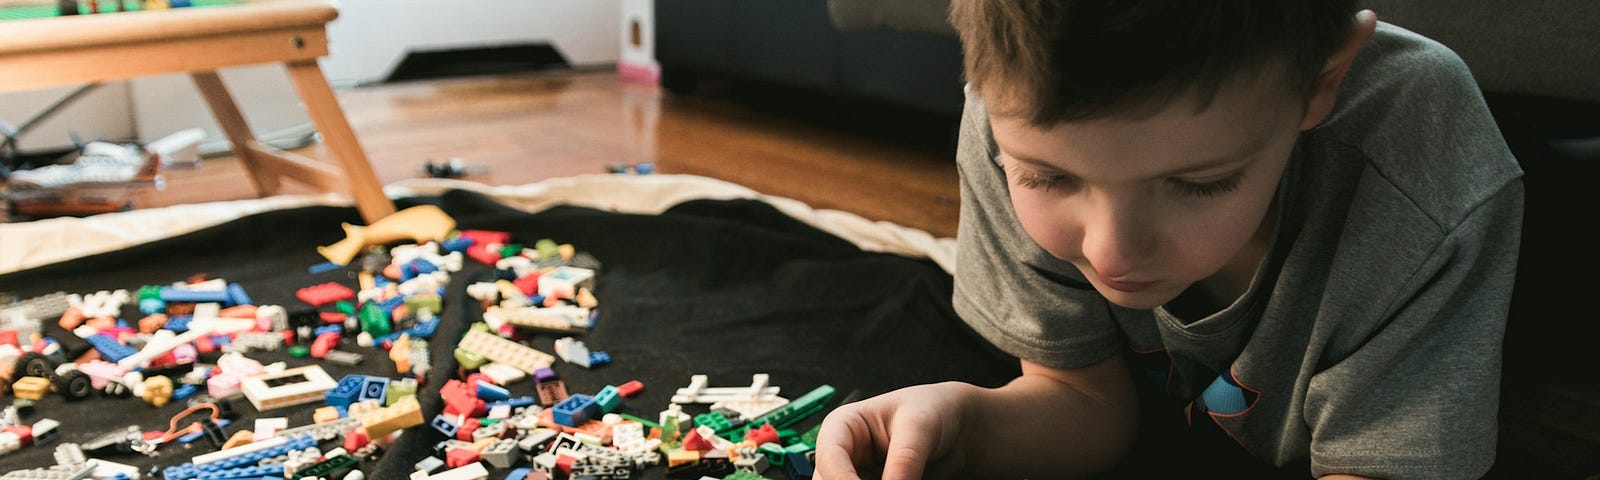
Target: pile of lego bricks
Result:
[725, 288]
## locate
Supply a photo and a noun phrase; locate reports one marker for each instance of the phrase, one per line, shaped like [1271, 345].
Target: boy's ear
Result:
[1327, 87]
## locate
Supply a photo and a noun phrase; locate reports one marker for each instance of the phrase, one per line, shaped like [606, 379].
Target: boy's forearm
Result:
[1043, 426]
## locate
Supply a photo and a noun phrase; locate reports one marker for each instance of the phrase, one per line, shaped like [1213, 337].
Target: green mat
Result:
[106, 6]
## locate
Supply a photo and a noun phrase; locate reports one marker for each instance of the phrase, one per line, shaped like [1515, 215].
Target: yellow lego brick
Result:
[31, 388]
[403, 414]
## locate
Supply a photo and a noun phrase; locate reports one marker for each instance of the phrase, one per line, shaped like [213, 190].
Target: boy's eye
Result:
[1208, 189]
[1034, 181]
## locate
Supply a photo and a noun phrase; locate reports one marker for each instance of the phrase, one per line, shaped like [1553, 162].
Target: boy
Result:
[1300, 226]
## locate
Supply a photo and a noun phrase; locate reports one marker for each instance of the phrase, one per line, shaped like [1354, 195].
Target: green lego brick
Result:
[716, 420]
[810, 437]
[547, 248]
[641, 421]
[511, 250]
[469, 360]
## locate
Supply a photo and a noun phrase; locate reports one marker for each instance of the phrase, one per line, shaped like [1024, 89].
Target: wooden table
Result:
[48, 52]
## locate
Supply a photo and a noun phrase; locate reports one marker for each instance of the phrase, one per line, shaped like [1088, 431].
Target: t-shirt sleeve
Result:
[1012, 292]
[1418, 397]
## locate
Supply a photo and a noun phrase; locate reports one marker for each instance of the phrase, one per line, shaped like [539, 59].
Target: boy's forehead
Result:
[1180, 135]
[1261, 87]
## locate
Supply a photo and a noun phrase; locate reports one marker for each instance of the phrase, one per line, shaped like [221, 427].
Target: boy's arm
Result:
[1057, 423]
[1047, 423]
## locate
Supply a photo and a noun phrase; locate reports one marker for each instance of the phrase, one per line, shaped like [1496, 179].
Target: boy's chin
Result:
[1142, 300]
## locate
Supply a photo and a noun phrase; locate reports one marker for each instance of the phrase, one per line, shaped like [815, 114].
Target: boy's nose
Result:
[1117, 244]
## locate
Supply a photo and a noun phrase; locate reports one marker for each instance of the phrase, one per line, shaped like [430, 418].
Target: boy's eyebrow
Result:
[1249, 150]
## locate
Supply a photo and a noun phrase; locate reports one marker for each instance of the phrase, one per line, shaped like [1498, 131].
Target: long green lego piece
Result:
[784, 416]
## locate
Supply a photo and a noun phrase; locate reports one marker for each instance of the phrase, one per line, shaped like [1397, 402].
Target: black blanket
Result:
[722, 288]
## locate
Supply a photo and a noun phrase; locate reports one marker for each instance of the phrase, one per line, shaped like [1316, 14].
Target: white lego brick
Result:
[105, 469]
[505, 351]
[501, 373]
[472, 471]
[162, 342]
[308, 384]
[246, 449]
[573, 351]
[698, 392]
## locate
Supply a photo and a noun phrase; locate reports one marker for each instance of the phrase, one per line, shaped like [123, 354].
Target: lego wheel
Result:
[36, 365]
[75, 385]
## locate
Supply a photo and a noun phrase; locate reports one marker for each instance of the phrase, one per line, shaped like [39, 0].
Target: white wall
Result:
[370, 37]
[102, 114]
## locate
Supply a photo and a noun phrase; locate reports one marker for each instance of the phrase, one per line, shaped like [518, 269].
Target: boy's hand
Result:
[913, 433]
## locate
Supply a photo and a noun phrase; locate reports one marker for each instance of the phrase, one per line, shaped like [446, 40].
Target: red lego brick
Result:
[319, 295]
[628, 390]
[765, 434]
[528, 284]
[24, 434]
[323, 344]
[355, 439]
[460, 457]
[465, 432]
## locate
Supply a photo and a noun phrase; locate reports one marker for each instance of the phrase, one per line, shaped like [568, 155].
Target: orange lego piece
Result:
[72, 318]
[422, 223]
[152, 323]
[242, 437]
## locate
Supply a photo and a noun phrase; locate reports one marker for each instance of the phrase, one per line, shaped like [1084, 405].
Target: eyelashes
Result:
[1208, 189]
[1028, 179]
[1031, 180]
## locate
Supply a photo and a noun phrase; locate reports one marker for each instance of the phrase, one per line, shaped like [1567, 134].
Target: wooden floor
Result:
[523, 128]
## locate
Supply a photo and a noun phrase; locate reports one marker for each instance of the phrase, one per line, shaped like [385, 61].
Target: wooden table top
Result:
[123, 28]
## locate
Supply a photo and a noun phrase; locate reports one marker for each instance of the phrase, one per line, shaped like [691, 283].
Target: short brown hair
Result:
[1065, 60]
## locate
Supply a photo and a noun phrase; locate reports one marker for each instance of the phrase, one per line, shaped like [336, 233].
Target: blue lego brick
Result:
[489, 391]
[220, 340]
[110, 348]
[178, 323]
[458, 244]
[190, 471]
[323, 267]
[237, 295]
[327, 329]
[184, 392]
[514, 403]
[171, 294]
[574, 411]
[599, 358]
[374, 388]
[275, 471]
[422, 330]
[348, 391]
[391, 303]
[444, 424]
[152, 306]
[190, 437]
[608, 399]
[799, 466]
[417, 267]
[519, 473]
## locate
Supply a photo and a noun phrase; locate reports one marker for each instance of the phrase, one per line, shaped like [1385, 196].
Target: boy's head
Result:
[1066, 60]
[1143, 140]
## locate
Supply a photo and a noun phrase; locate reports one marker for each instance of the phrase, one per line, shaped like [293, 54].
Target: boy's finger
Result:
[911, 443]
[841, 442]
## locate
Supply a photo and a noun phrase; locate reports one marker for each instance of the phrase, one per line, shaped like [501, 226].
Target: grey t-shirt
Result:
[1369, 339]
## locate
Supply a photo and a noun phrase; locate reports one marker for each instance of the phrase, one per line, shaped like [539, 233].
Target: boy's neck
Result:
[1220, 290]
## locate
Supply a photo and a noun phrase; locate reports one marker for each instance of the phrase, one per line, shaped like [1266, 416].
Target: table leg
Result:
[340, 139]
[236, 129]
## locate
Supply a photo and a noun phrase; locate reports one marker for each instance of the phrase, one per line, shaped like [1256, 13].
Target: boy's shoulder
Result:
[1412, 110]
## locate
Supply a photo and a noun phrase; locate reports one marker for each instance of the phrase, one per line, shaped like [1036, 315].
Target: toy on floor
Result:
[422, 223]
